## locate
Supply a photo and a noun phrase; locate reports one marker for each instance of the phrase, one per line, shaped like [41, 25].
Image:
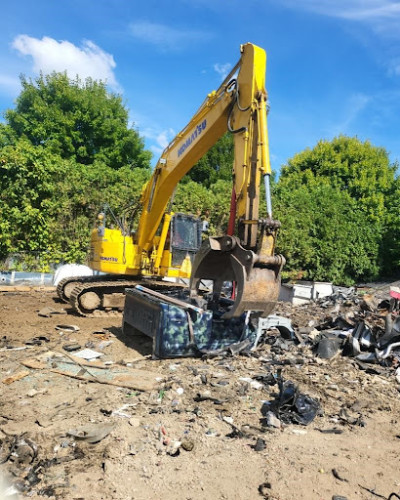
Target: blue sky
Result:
[333, 65]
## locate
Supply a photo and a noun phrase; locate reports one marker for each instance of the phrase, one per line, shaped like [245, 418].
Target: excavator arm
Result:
[246, 258]
[230, 108]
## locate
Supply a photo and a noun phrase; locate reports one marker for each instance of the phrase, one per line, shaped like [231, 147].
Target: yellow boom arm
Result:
[239, 105]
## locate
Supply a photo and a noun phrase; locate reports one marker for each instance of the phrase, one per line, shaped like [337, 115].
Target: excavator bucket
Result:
[257, 278]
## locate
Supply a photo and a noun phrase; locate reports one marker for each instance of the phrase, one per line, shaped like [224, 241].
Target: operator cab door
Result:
[185, 237]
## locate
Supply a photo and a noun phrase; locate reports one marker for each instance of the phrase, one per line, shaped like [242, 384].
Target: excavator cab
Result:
[185, 238]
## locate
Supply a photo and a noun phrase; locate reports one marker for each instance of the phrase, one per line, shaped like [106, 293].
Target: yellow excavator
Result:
[167, 245]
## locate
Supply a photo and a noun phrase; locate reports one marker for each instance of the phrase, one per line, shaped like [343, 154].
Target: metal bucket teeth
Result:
[257, 281]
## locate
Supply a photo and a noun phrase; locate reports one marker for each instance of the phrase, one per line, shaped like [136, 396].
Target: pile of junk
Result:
[362, 327]
[345, 323]
[180, 329]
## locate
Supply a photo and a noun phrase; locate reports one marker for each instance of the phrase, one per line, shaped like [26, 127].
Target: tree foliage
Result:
[48, 204]
[334, 202]
[28, 189]
[216, 164]
[212, 203]
[65, 150]
[75, 120]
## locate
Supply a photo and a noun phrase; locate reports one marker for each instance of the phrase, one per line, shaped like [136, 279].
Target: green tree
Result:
[324, 235]
[359, 168]
[48, 204]
[333, 204]
[390, 243]
[29, 178]
[192, 197]
[216, 164]
[75, 120]
[85, 193]
[65, 150]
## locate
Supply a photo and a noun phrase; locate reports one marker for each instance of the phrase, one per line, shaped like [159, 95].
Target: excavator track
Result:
[66, 285]
[106, 298]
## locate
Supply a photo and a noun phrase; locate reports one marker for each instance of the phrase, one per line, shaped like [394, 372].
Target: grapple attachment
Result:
[257, 278]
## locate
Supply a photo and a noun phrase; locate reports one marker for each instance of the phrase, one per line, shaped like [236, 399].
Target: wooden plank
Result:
[17, 376]
[130, 378]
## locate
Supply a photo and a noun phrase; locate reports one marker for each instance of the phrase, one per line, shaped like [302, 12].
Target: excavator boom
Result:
[247, 259]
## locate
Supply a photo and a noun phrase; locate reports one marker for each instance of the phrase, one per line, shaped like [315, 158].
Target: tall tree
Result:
[48, 204]
[333, 203]
[75, 120]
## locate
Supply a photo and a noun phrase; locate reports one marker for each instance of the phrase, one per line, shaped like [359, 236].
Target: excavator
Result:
[168, 245]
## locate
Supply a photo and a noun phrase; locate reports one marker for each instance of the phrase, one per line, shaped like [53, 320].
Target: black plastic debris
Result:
[71, 347]
[329, 347]
[280, 345]
[260, 445]
[292, 406]
[360, 338]
[37, 340]
[338, 475]
[365, 329]
[266, 378]
[265, 490]
[392, 331]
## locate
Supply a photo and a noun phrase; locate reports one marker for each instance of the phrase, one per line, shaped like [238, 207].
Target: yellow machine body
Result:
[114, 253]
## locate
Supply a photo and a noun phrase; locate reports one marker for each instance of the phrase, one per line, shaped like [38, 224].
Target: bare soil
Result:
[352, 447]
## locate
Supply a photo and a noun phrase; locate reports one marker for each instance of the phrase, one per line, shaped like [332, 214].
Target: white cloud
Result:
[382, 16]
[50, 55]
[165, 137]
[157, 139]
[165, 37]
[222, 69]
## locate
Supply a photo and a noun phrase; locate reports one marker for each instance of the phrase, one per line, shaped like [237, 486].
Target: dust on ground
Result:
[199, 433]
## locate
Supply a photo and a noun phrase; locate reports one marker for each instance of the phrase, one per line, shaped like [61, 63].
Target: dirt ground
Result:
[198, 432]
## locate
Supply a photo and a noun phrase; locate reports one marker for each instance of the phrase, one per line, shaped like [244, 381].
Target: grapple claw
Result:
[257, 279]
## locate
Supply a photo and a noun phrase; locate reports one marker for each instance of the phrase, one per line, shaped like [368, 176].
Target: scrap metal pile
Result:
[359, 326]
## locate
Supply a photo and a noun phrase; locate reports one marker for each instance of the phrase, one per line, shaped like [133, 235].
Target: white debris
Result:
[68, 270]
[88, 354]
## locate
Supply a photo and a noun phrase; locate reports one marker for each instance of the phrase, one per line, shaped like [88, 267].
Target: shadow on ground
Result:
[133, 339]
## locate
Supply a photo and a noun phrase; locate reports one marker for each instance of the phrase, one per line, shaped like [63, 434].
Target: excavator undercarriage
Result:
[104, 295]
